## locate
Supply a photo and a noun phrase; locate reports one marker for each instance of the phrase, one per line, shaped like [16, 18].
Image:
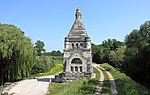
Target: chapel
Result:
[77, 58]
[77, 50]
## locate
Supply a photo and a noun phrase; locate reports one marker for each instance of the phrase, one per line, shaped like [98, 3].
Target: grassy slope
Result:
[55, 70]
[106, 85]
[97, 73]
[125, 85]
[65, 89]
[78, 87]
[58, 65]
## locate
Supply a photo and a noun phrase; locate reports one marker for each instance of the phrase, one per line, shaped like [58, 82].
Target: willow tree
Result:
[17, 54]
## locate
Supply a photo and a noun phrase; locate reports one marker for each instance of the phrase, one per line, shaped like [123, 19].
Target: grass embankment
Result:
[125, 85]
[84, 86]
[106, 85]
[97, 73]
[57, 69]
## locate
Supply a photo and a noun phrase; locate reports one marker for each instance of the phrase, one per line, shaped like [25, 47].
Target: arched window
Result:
[80, 68]
[72, 45]
[81, 44]
[76, 61]
[77, 45]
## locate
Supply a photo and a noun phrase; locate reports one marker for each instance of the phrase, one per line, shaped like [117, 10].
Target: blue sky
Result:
[50, 20]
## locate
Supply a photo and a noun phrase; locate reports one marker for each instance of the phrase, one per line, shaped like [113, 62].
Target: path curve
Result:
[113, 87]
[113, 90]
[37, 86]
[100, 82]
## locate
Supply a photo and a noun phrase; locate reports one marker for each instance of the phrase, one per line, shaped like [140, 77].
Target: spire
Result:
[78, 29]
[78, 14]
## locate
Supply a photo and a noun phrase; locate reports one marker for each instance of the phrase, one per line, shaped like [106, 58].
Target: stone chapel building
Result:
[77, 52]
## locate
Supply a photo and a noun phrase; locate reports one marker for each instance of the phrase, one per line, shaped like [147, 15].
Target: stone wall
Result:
[69, 77]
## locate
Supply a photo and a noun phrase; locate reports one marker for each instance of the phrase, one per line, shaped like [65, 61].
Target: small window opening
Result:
[71, 68]
[77, 45]
[72, 45]
[81, 44]
[76, 69]
[80, 68]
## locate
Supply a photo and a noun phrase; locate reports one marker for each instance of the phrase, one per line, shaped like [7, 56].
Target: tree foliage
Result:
[16, 54]
[39, 46]
[137, 54]
[131, 56]
[43, 64]
[110, 51]
[53, 53]
[116, 56]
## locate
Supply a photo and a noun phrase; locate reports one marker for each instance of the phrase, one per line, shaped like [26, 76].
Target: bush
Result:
[43, 64]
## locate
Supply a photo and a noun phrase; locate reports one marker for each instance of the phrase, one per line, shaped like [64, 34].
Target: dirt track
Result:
[37, 86]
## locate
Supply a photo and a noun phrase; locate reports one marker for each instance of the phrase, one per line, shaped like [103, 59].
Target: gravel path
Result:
[100, 82]
[113, 90]
[113, 87]
[37, 86]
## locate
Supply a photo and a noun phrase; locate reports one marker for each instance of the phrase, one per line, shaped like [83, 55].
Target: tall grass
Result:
[84, 86]
[97, 73]
[58, 60]
[77, 87]
[57, 69]
[125, 85]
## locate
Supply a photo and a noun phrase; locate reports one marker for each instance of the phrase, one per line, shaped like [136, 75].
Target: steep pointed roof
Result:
[78, 30]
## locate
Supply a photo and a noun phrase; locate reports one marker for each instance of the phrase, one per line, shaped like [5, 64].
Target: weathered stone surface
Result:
[77, 52]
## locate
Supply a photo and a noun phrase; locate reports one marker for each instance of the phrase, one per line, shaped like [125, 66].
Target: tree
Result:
[97, 54]
[39, 46]
[43, 64]
[101, 53]
[137, 54]
[16, 54]
[58, 53]
[116, 56]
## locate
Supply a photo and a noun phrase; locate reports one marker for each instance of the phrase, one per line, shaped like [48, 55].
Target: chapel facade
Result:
[77, 49]
[77, 57]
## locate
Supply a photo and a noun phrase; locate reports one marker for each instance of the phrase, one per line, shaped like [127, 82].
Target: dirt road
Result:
[37, 86]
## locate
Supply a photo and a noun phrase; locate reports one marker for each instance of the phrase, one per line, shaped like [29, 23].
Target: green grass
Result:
[97, 73]
[106, 85]
[84, 86]
[77, 87]
[65, 89]
[125, 85]
[57, 69]
[58, 60]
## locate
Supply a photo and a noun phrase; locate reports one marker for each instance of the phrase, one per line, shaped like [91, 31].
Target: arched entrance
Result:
[76, 65]
[76, 61]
